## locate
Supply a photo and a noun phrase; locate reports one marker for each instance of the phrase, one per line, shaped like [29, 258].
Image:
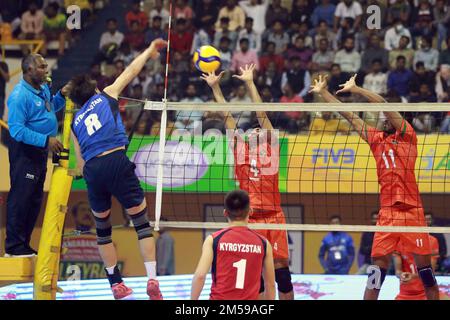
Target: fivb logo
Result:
[73, 17]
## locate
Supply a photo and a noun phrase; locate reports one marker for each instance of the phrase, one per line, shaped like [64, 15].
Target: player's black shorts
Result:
[112, 175]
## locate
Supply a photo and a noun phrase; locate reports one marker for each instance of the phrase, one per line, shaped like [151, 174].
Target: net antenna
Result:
[162, 132]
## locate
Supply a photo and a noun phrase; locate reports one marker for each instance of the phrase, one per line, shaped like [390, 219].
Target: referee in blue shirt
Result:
[33, 127]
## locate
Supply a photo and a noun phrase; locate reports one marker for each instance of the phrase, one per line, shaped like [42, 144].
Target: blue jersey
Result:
[98, 126]
[340, 253]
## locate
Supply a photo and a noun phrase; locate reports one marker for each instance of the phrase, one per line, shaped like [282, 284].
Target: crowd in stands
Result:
[290, 41]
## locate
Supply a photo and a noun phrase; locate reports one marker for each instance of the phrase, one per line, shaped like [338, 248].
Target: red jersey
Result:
[415, 286]
[396, 156]
[257, 173]
[237, 265]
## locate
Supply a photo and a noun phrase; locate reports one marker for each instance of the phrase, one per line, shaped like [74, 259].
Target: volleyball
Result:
[207, 59]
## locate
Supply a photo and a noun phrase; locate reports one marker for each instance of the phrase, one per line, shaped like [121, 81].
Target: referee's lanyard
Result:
[48, 106]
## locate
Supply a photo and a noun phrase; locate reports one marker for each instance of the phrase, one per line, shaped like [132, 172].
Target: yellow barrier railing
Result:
[37, 45]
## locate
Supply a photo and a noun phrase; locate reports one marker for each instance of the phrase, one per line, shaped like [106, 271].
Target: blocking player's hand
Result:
[319, 84]
[156, 46]
[246, 73]
[406, 277]
[211, 78]
[348, 86]
[55, 145]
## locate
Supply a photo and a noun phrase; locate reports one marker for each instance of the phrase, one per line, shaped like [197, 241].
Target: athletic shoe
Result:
[153, 290]
[7, 255]
[121, 291]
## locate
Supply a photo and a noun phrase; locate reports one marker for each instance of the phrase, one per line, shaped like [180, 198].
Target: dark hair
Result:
[334, 65]
[401, 58]
[137, 86]
[248, 19]
[225, 39]
[376, 61]
[322, 21]
[420, 64]
[237, 204]
[224, 19]
[335, 216]
[300, 37]
[157, 18]
[111, 20]
[28, 61]
[243, 40]
[83, 88]
[428, 39]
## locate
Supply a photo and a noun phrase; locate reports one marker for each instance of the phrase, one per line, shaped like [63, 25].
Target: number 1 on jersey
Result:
[240, 277]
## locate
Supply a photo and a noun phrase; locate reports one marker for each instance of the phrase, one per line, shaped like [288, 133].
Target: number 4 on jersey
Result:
[92, 124]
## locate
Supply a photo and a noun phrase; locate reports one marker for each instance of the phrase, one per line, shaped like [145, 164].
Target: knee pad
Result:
[426, 274]
[376, 277]
[261, 287]
[104, 230]
[141, 224]
[283, 279]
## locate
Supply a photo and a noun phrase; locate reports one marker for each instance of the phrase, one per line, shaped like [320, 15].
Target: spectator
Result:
[189, 120]
[376, 80]
[443, 83]
[144, 80]
[298, 78]
[213, 120]
[256, 10]
[328, 125]
[323, 12]
[402, 50]
[201, 38]
[302, 31]
[441, 14]
[374, 52]
[165, 252]
[301, 12]
[54, 28]
[159, 10]
[135, 37]
[4, 78]
[445, 125]
[323, 32]
[348, 58]
[339, 250]
[226, 32]
[183, 11]
[110, 41]
[126, 54]
[278, 36]
[399, 78]
[276, 12]
[155, 31]
[225, 53]
[299, 50]
[399, 10]
[337, 78]
[270, 78]
[423, 122]
[244, 56]
[365, 248]
[348, 9]
[393, 35]
[234, 13]
[427, 55]
[136, 15]
[253, 37]
[294, 121]
[206, 13]
[32, 25]
[421, 76]
[181, 38]
[423, 20]
[323, 58]
[33, 128]
[440, 238]
[244, 118]
[96, 75]
[444, 55]
[82, 216]
[270, 56]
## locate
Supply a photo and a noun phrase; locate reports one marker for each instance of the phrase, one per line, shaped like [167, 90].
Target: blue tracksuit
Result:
[340, 252]
[31, 121]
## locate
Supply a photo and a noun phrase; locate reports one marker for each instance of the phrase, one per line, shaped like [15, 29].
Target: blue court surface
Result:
[307, 287]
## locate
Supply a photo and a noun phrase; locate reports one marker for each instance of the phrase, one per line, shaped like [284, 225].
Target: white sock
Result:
[150, 267]
[110, 270]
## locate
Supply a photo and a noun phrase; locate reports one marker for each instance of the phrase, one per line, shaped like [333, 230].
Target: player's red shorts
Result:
[384, 243]
[277, 238]
[411, 296]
